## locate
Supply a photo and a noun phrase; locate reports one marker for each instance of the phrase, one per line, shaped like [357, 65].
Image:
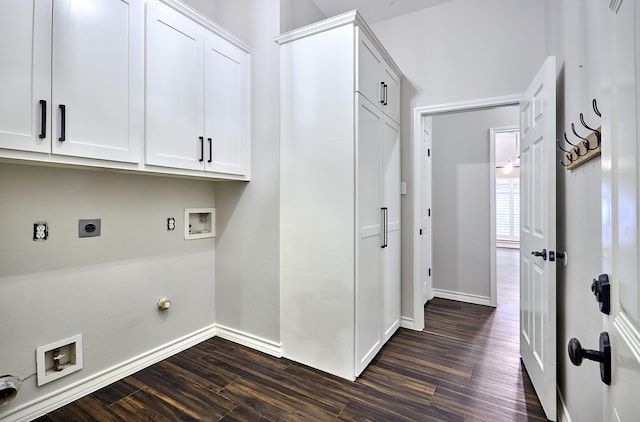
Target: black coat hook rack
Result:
[587, 147]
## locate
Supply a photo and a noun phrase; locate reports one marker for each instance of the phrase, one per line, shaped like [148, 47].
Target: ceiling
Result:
[375, 10]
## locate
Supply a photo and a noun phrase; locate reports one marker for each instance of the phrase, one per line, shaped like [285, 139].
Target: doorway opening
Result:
[422, 119]
[505, 158]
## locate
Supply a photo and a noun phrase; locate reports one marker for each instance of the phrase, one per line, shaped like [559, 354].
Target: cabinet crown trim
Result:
[207, 23]
[349, 18]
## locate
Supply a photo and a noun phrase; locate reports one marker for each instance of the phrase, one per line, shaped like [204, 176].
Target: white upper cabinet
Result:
[25, 75]
[87, 83]
[377, 80]
[226, 106]
[97, 79]
[175, 90]
[71, 78]
[197, 96]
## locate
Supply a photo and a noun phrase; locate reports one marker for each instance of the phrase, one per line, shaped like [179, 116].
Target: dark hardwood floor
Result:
[464, 366]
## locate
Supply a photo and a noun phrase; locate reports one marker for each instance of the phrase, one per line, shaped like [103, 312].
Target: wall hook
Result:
[587, 126]
[567, 139]
[560, 146]
[594, 103]
[585, 142]
[573, 129]
[596, 131]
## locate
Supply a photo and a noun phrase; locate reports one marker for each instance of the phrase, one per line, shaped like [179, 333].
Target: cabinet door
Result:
[376, 80]
[175, 94]
[390, 254]
[25, 75]
[369, 240]
[369, 65]
[226, 103]
[98, 79]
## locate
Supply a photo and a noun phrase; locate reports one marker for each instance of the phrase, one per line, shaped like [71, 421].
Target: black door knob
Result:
[577, 353]
[543, 254]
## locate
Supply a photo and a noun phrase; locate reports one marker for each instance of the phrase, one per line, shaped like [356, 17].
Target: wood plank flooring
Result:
[464, 366]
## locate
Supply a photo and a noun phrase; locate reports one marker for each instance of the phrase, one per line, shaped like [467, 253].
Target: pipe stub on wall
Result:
[9, 386]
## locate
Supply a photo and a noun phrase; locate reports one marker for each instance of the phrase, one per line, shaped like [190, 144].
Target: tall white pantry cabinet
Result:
[340, 195]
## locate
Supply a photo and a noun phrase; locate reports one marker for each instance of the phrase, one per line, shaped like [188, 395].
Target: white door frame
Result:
[426, 231]
[418, 114]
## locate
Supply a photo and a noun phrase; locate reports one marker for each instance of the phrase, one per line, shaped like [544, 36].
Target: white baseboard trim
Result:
[254, 342]
[462, 297]
[563, 412]
[406, 322]
[57, 399]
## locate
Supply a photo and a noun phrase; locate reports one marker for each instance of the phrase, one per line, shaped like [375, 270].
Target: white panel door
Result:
[390, 253]
[226, 107]
[369, 236]
[538, 236]
[97, 79]
[620, 226]
[25, 75]
[426, 214]
[175, 90]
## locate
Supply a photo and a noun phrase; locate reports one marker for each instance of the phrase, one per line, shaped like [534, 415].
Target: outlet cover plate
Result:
[40, 231]
[89, 227]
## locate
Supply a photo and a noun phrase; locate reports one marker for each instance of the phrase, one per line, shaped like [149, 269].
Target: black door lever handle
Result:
[543, 254]
[603, 356]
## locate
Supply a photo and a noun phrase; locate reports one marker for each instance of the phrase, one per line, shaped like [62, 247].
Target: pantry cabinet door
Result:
[226, 107]
[390, 254]
[370, 239]
[97, 78]
[25, 75]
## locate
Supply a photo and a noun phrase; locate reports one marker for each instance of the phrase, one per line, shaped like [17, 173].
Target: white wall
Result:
[461, 199]
[573, 37]
[105, 288]
[297, 13]
[457, 51]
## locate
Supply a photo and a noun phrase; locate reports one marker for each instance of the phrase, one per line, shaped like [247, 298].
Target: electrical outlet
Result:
[171, 223]
[89, 228]
[40, 231]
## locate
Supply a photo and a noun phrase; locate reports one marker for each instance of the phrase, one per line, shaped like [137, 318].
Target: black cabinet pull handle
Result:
[201, 159]
[385, 229]
[385, 94]
[43, 119]
[382, 92]
[63, 120]
[210, 151]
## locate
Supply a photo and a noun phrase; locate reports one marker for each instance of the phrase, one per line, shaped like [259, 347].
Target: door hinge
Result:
[428, 152]
[420, 232]
[429, 272]
[429, 212]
